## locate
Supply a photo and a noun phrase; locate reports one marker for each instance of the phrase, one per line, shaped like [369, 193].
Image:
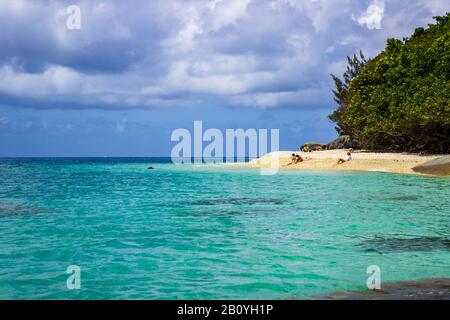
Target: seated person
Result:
[347, 158]
[293, 159]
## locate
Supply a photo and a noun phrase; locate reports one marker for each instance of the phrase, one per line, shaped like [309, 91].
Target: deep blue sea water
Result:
[202, 232]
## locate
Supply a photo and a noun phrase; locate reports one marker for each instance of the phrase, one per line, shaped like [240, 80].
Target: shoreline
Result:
[402, 163]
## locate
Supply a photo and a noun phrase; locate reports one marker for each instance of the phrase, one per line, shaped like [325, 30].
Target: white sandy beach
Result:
[362, 161]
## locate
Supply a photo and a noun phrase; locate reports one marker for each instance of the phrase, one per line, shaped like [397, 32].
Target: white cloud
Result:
[321, 13]
[69, 126]
[201, 18]
[437, 6]
[3, 120]
[190, 52]
[266, 100]
[121, 126]
[373, 16]
[55, 80]
[224, 13]
[185, 76]
[191, 26]
[14, 6]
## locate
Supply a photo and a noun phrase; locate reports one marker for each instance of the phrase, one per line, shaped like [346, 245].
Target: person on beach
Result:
[347, 158]
[293, 159]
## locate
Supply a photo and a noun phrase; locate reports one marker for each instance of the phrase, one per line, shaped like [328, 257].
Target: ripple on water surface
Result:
[193, 233]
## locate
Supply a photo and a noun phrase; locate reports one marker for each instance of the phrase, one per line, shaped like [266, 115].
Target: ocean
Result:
[212, 232]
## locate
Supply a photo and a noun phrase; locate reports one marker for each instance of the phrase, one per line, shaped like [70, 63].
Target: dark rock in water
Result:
[237, 201]
[428, 289]
[343, 142]
[382, 245]
[211, 212]
[150, 168]
[402, 198]
[439, 166]
[12, 210]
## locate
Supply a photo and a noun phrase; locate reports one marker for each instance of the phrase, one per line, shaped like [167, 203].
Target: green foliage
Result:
[341, 91]
[401, 99]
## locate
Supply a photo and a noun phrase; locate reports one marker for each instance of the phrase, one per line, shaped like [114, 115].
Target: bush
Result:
[401, 99]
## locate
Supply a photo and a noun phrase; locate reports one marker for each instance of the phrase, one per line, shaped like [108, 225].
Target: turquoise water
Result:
[196, 232]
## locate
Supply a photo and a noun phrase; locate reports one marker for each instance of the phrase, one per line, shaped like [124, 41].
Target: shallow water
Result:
[198, 232]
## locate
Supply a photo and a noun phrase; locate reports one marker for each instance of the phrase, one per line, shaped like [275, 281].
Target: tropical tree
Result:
[341, 91]
[400, 100]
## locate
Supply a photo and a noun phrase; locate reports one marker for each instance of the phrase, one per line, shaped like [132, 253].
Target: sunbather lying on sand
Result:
[295, 158]
[300, 159]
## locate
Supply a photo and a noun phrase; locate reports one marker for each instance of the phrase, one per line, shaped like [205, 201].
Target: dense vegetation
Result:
[400, 100]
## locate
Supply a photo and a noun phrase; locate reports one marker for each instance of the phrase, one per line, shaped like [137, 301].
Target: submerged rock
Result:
[439, 166]
[236, 201]
[13, 209]
[382, 245]
[428, 289]
[403, 198]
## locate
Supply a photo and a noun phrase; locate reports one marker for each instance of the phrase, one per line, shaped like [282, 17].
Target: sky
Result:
[131, 72]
